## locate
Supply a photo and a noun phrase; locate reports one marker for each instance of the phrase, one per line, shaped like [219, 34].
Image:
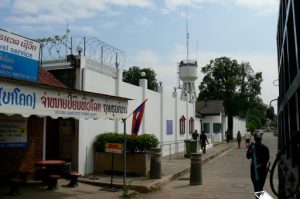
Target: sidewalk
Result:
[172, 168]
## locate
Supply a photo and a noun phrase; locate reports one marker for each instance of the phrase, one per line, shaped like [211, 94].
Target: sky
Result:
[152, 33]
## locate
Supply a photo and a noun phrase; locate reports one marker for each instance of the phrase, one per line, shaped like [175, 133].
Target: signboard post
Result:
[113, 148]
[19, 57]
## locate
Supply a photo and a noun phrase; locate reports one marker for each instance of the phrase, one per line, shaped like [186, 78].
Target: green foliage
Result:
[270, 113]
[133, 75]
[141, 143]
[255, 117]
[127, 193]
[56, 39]
[237, 85]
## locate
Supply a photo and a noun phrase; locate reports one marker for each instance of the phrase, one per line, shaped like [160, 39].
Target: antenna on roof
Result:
[187, 35]
[188, 70]
[197, 52]
[67, 35]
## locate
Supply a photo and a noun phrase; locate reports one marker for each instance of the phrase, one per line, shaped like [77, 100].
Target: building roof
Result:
[209, 107]
[47, 78]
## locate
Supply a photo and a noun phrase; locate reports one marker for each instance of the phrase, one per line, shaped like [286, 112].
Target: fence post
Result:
[177, 148]
[170, 152]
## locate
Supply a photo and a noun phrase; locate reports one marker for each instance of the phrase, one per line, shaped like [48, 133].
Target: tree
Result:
[256, 115]
[234, 83]
[133, 75]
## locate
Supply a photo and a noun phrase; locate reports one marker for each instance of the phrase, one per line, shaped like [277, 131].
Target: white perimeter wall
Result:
[239, 125]
[159, 108]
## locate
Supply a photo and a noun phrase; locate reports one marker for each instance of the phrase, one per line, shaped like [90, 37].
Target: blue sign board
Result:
[13, 132]
[19, 57]
[169, 127]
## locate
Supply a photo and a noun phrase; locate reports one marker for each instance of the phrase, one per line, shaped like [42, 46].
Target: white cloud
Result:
[145, 58]
[126, 3]
[174, 4]
[258, 3]
[58, 11]
[264, 7]
[261, 6]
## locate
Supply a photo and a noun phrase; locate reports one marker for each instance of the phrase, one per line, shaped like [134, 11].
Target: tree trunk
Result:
[230, 125]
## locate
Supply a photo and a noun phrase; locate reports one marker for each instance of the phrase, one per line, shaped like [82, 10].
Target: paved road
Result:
[226, 177]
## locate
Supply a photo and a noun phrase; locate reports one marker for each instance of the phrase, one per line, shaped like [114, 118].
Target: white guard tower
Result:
[188, 71]
[188, 76]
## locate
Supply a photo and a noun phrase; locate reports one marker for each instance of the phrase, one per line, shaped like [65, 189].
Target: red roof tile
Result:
[47, 78]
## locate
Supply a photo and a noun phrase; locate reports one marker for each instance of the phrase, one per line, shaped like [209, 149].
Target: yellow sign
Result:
[113, 147]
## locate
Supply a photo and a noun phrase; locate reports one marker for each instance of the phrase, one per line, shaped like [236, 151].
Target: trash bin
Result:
[191, 146]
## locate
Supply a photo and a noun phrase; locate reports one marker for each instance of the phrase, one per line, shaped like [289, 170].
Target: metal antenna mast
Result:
[187, 36]
[67, 35]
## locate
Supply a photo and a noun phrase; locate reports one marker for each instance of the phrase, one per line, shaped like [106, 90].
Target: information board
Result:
[19, 57]
[13, 131]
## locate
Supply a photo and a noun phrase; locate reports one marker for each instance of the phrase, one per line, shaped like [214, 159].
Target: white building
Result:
[172, 120]
[215, 122]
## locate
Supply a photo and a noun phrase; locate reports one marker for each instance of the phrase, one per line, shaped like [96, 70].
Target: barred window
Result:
[182, 125]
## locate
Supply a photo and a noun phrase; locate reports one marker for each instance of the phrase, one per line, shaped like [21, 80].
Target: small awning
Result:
[28, 98]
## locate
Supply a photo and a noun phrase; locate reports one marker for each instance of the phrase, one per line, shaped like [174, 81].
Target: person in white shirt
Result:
[247, 138]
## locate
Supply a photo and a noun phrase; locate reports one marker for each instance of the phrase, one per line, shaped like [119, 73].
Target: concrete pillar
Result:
[144, 84]
[187, 120]
[175, 95]
[44, 137]
[81, 62]
[119, 80]
[161, 91]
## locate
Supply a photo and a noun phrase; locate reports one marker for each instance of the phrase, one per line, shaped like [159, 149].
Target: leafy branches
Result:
[133, 75]
[236, 84]
[55, 40]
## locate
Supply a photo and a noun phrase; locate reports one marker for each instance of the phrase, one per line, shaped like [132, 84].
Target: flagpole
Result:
[125, 154]
[125, 147]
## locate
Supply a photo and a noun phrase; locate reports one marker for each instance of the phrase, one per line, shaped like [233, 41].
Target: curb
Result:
[154, 186]
[170, 178]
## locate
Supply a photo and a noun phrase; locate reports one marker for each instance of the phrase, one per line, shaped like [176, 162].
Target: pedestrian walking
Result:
[195, 135]
[203, 140]
[239, 139]
[247, 138]
[227, 135]
[259, 155]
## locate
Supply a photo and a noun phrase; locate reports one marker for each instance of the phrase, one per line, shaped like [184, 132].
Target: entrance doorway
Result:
[62, 140]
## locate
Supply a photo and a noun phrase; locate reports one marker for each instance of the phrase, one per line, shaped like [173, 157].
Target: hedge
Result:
[135, 144]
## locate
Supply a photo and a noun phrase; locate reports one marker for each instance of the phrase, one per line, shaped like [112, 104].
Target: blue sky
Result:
[153, 33]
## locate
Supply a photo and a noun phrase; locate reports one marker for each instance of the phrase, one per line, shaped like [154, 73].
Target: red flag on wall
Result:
[137, 118]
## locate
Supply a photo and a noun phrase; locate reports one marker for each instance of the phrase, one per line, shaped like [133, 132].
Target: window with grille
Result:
[191, 125]
[217, 127]
[182, 125]
[205, 127]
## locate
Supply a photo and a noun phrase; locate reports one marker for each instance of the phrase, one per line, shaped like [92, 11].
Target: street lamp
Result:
[79, 49]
